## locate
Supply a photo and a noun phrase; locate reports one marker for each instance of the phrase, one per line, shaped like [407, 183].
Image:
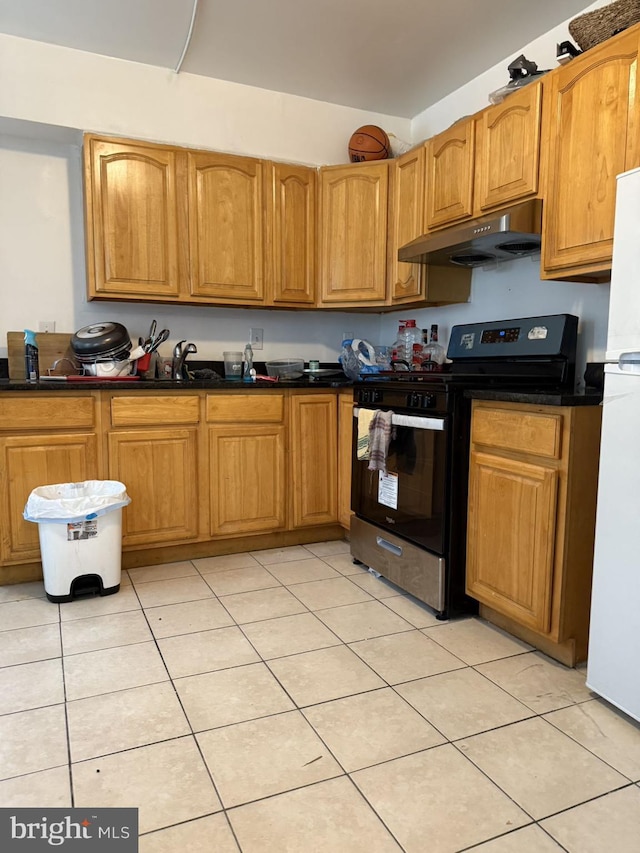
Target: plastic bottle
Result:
[411, 336]
[31, 368]
[397, 350]
[248, 363]
[433, 351]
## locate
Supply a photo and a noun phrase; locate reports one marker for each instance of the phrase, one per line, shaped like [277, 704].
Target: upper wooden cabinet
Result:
[353, 234]
[592, 135]
[290, 222]
[507, 149]
[226, 227]
[449, 175]
[406, 223]
[132, 231]
[416, 284]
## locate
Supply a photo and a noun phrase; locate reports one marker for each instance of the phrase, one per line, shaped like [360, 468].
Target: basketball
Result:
[369, 143]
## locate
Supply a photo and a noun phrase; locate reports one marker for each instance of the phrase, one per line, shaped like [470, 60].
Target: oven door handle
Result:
[414, 421]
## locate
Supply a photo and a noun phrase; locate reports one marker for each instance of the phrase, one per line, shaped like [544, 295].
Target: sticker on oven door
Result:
[467, 340]
[388, 489]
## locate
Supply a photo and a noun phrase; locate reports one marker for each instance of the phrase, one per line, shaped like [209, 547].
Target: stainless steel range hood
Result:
[498, 237]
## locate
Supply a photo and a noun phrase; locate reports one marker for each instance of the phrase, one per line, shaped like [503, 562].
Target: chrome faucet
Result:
[180, 371]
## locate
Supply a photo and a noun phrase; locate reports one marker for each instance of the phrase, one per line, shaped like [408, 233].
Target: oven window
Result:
[410, 501]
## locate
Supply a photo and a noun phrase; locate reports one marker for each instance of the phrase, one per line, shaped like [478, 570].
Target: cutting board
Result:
[51, 347]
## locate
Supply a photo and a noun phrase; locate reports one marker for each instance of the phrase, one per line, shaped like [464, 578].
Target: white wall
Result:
[47, 89]
[61, 86]
[474, 95]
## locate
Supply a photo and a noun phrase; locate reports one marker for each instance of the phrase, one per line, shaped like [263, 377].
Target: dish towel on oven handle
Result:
[380, 432]
[365, 416]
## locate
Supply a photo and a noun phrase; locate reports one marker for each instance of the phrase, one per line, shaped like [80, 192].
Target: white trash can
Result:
[80, 530]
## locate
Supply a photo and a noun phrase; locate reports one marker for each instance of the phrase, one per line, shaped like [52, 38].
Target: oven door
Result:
[410, 499]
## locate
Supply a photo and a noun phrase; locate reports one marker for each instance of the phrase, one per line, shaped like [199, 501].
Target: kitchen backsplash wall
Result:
[514, 290]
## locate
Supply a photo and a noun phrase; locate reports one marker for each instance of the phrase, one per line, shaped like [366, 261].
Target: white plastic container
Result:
[80, 531]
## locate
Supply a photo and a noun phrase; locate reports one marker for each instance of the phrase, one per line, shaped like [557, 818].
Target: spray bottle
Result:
[31, 368]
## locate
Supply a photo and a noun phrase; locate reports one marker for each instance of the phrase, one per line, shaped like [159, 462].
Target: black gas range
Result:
[410, 521]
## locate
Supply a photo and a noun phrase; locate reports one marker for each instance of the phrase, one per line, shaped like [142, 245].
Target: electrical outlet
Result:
[47, 326]
[256, 338]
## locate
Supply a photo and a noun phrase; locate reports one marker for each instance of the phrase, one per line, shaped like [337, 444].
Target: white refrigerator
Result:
[613, 666]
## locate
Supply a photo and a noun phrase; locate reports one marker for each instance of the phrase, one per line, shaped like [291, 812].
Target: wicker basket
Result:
[590, 29]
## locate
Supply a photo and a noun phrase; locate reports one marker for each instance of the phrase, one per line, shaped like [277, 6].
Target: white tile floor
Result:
[287, 700]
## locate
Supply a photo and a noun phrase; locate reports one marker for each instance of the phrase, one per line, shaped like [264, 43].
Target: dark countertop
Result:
[588, 398]
[166, 385]
[215, 383]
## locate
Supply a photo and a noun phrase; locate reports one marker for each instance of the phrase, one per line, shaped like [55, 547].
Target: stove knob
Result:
[377, 397]
[414, 400]
[428, 401]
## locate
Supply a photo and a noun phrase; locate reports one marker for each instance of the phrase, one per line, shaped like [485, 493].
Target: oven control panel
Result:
[369, 395]
[417, 400]
[400, 399]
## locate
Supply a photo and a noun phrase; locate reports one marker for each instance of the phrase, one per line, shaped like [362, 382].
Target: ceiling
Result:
[391, 56]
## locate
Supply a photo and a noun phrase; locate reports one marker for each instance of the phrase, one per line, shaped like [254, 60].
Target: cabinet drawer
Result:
[248, 408]
[523, 432]
[46, 413]
[152, 411]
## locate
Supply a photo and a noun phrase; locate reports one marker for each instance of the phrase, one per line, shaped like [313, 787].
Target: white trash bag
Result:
[75, 502]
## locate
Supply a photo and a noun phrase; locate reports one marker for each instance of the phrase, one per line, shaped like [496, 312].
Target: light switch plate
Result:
[256, 338]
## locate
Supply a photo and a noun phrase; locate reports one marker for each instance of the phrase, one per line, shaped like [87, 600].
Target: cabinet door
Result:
[290, 245]
[247, 479]
[225, 227]
[353, 233]
[32, 461]
[593, 136]
[511, 537]
[132, 220]
[406, 210]
[449, 175]
[313, 449]
[159, 468]
[345, 437]
[507, 148]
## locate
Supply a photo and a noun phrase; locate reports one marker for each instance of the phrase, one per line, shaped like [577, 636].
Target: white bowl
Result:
[108, 368]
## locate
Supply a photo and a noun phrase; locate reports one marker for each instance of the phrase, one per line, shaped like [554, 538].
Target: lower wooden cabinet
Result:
[247, 463]
[532, 498]
[29, 461]
[313, 451]
[66, 450]
[153, 448]
[203, 469]
[160, 470]
[345, 440]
